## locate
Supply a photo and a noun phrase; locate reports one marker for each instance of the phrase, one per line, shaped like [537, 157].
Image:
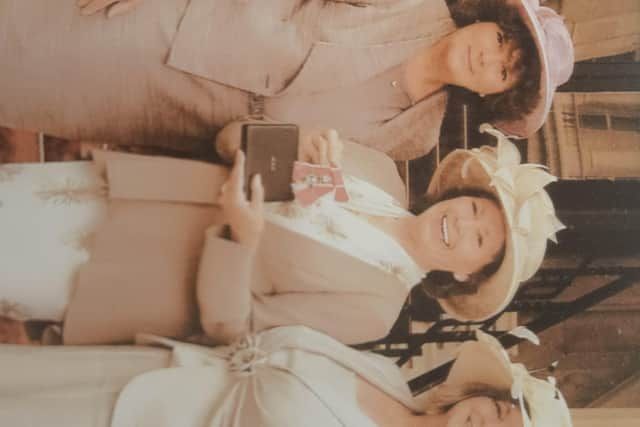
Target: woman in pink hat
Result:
[173, 73]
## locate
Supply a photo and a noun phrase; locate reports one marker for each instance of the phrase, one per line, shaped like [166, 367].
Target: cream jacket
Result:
[154, 269]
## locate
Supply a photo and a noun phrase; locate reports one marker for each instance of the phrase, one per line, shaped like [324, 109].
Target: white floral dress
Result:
[47, 214]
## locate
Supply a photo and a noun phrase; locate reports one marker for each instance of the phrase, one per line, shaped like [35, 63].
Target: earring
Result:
[481, 95]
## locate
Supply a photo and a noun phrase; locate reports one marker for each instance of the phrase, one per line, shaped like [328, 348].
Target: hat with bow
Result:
[486, 362]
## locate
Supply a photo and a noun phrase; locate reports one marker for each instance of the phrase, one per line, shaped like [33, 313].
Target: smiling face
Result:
[482, 58]
[484, 412]
[460, 235]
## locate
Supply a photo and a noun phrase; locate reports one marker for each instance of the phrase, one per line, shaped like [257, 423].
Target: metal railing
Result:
[402, 344]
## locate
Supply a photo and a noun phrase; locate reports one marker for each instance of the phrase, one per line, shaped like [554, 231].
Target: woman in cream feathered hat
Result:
[484, 388]
[518, 189]
[355, 262]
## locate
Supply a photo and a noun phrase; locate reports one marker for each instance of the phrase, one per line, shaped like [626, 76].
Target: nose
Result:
[492, 57]
[466, 225]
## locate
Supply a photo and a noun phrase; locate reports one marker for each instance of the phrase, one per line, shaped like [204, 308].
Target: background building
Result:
[591, 141]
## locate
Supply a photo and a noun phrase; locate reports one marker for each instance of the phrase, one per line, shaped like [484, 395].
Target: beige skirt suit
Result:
[158, 266]
[173, 73]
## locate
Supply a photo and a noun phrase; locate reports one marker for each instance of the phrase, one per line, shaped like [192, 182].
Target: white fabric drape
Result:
[47, 213]
[343, 226]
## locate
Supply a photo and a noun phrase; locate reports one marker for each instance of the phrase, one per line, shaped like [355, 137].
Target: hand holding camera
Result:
[244, 216]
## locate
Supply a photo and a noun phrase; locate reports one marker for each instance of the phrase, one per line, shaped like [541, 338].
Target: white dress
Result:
[47, 214]
[49, 211]
[286, 376]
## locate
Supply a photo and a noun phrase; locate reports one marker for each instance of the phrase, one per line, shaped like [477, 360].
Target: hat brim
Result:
[480, 363]
[528, 125]
[495, 293]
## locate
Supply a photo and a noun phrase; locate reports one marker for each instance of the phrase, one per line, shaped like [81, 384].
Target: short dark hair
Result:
[442, 284]
[521, 99]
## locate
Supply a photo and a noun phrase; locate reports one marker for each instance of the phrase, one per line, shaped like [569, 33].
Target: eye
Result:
[500, 37]
[474, 206]
[480, 240]
[503, 74]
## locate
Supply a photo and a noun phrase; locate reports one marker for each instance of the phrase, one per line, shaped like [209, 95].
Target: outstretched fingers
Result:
[257, 193]
[334, 147]
[235, 182]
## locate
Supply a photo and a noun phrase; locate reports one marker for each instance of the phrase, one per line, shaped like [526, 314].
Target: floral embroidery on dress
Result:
[333, 229]
[79, 240]
[290, 210]
[9, 172]
[355, 194]
[72, 192]
[394, 269]
[13, 310]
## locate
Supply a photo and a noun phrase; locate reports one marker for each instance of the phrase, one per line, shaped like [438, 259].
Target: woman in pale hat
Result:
[174, 73]
[287, 376]
[483, 388]
[496, 172]
[344, 267]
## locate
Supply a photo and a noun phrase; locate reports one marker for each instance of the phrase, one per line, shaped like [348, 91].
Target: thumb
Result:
[257, 193]
[335, 148]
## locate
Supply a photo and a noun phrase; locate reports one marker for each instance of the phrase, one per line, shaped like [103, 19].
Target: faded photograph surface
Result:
[320, 212]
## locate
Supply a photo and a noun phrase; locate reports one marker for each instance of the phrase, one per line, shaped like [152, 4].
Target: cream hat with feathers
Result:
[528, 212]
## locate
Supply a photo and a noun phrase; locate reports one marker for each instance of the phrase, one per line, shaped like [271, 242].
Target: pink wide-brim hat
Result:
[555, 51]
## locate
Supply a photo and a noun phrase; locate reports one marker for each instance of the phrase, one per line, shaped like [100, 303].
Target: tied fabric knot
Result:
[310, 182]
[517, 391]
[520, 185]
[518, 371]
[245, 356]
[525, 387]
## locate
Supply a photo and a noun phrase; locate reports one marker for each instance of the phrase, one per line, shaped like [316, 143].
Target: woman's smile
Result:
[481, 58]
[444, 226]
[459, 234]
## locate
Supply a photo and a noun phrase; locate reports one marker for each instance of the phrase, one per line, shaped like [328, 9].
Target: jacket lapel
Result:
[293, 46]
[332, 65]
[326, 262]
[154, 178]
[376, 168]
[358, 43]
[412, 133]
